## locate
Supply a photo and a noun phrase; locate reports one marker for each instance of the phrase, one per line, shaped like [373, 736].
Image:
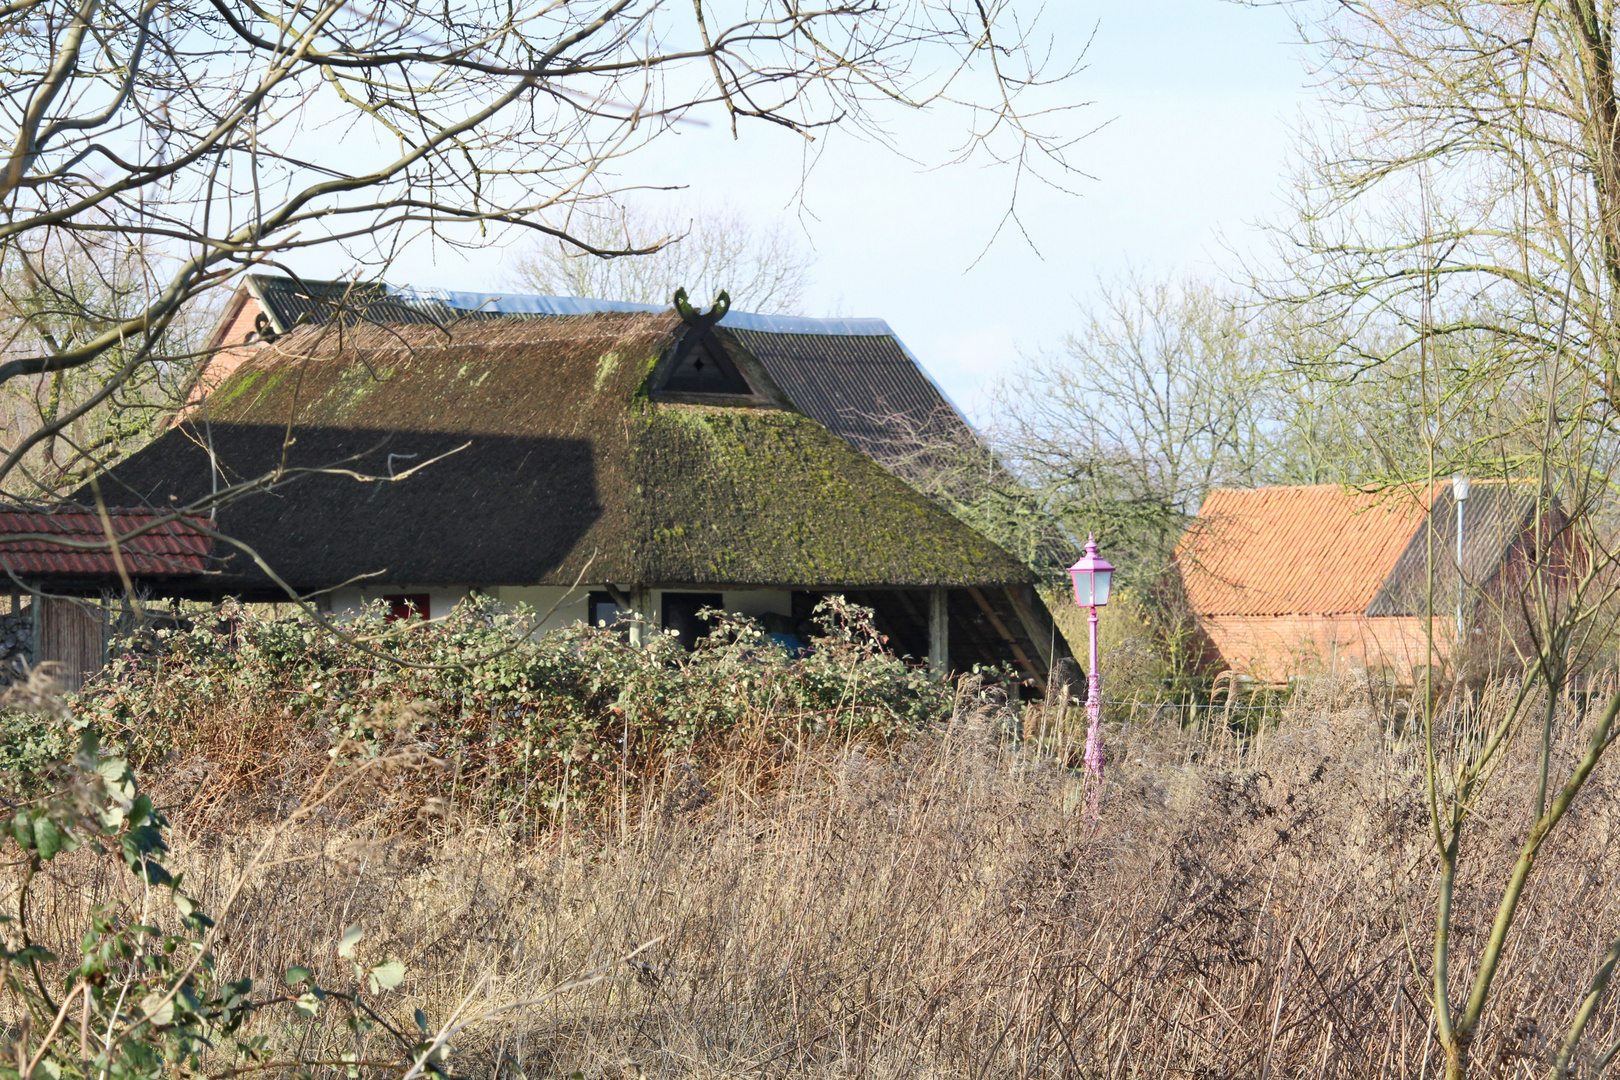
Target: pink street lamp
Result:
[1093, 575]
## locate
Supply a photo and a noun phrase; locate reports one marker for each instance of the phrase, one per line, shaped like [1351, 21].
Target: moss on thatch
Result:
[733, 495]
[567, 460]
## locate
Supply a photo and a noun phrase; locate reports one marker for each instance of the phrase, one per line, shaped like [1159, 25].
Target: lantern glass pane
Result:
[1101, 581]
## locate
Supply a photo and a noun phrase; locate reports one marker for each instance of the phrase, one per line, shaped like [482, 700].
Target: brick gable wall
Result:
[235, 347]
[1274, 648]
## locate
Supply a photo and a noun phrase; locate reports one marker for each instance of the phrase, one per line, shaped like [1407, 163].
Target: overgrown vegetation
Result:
[526, 723]
[941, 905]
[127, 985]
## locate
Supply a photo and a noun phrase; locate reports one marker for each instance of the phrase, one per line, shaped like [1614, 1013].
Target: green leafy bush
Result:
[566, 714]
[138, 1001]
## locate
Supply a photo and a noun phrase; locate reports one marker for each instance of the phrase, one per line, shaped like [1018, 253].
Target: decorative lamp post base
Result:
[1094, 758]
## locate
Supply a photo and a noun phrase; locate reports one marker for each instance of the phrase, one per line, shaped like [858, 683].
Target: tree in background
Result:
[1169, 389]
[1459, 213]
[186, 145]
[1172, 388]
[65, 290]
[1158, 397]
[1458, 233]
[701, 250]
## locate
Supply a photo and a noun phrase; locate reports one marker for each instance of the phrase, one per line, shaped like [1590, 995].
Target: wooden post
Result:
[1037, 622]
[939, 631]
[641, 603]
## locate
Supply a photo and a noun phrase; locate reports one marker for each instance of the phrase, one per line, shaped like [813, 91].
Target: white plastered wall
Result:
[442, 599]
[566, 606]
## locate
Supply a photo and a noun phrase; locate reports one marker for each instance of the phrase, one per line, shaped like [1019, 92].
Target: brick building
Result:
[1286, 581]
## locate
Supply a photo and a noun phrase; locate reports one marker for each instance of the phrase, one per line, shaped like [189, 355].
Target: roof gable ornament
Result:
[699, 364]
[692, 317]
[264, 327]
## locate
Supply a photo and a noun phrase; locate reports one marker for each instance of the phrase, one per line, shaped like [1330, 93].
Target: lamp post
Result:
[1093, 576]
[1459, 495]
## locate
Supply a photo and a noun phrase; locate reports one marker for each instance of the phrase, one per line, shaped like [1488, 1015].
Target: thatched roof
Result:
[853, 375]
[559, 456]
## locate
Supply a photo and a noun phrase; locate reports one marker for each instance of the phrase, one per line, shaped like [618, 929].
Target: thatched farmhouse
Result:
[418, 449]
[1293, 580]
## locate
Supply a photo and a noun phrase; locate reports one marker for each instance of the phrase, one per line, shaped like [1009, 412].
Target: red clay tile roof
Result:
[1317, 550]
[73, 543]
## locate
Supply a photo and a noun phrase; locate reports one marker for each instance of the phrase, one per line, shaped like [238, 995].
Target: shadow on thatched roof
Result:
[552, 452]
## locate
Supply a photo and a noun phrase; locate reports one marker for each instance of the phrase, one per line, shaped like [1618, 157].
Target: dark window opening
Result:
[681, 615]
[407, 606]
[601, 609]
[702, 367]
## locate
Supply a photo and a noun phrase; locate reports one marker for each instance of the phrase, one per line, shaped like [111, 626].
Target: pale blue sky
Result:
[1199, 97]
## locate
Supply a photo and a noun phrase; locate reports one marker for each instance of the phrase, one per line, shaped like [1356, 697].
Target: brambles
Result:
[937, 904]
[138, 1000]
[526, 723]
[940, 906]
[146, 996]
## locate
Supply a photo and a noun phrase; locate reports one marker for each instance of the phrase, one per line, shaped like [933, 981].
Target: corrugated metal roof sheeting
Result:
[293, 303]
[32, 544]
[1495, 516]
[366, 301]
[514, 303]
[534, 304]
[289, 302]
[865, 389]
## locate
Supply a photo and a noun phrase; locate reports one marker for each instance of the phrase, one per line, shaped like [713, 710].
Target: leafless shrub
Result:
[1242, 908]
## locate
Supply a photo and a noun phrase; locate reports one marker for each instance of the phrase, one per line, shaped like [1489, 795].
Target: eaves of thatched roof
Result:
[532, 452]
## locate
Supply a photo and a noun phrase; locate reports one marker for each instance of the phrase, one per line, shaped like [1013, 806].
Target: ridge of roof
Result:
[389, 301]
[509, 303]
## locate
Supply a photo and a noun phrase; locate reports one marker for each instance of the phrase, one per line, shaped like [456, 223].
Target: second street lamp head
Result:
[1093, 576]
[1459, 487]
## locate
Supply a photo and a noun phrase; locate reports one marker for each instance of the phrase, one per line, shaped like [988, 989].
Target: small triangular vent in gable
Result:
[701, 366]
[706, 366]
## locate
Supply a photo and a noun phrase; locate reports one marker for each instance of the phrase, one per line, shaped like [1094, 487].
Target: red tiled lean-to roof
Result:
[73, 543]
[1317, 550]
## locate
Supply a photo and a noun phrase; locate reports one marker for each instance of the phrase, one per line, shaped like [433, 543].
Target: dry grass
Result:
[947, 910]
